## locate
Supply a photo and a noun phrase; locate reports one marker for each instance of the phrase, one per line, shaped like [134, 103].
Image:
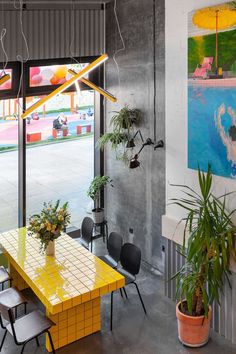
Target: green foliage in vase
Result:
[49, 223]
[210, 245]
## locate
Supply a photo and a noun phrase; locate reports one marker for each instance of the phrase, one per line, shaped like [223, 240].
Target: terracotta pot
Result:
[50, 250]
[193, 331]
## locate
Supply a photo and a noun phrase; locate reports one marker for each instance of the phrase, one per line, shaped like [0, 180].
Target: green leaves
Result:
[97, 184]
[210, 245]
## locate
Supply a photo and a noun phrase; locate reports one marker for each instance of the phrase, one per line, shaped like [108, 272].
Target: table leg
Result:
[74, 323]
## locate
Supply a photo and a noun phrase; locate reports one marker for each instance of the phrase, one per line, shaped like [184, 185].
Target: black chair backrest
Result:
[7, 313]
[87, 229]
[114, 245]
[130, 258]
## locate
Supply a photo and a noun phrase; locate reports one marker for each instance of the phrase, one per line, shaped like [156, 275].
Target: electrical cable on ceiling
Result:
[122, 41]
[19, 57]
[5, 62]
[2, 35]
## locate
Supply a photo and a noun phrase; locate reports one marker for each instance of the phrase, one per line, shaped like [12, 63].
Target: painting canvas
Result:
[212, 89]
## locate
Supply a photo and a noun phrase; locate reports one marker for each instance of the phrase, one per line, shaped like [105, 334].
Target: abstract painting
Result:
[212, 89]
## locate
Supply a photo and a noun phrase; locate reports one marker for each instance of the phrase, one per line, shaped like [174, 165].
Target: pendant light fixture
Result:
[100, 90]
[67, 84]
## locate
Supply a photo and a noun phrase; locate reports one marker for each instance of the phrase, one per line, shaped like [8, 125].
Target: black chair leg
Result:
[125, 293]
[121, 293]
[3, 339]
[111, 320]
[16, 312]
[22, 350]
[51, 342]
[140, 297]
[37, 341]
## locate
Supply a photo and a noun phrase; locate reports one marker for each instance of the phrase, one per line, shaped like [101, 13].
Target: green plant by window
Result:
[96, 186]
[210, 245]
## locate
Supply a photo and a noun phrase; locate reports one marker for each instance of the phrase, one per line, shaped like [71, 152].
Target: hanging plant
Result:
[125, 119]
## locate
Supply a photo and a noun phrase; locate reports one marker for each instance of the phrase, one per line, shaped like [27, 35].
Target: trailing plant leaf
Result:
[96, 186]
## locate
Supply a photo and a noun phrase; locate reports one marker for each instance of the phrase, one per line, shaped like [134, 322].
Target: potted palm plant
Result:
[94, 192]
[207, 254]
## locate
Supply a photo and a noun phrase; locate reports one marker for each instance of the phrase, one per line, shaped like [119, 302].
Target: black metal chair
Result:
[114, 246]
[26, 328]
[4, 277]
[86, 232]
[12, 298]
[130, 259]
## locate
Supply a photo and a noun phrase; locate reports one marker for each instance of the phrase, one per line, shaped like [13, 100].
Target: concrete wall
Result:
[138, 199]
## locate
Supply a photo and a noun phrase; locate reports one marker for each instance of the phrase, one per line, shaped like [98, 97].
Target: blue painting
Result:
[212, 89]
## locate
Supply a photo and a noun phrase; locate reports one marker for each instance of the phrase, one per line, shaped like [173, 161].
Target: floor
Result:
[133, 332]
[66, 170]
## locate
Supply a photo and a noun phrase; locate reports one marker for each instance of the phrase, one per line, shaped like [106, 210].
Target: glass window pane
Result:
[60, 152]
[9, 112]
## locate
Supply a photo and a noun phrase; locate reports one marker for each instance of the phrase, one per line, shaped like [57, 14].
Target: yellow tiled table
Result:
[69, 284]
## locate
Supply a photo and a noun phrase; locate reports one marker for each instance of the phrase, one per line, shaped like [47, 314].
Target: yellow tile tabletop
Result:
[73, 274]
[64, 283]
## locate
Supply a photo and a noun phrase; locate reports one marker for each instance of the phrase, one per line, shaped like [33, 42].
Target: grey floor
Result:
[57, 171]
[133, 332]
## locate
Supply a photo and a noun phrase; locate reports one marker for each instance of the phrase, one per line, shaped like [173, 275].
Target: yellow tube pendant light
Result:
[67, 84]
[103, 92]
[4, 78]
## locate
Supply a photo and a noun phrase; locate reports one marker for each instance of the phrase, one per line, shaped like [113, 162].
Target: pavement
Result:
[58, 171]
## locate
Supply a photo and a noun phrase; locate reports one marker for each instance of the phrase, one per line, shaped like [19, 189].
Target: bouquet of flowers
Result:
[48, 225]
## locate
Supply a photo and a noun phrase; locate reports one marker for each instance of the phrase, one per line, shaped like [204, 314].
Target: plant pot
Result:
[193, 331]
[98, 215]
[50, 250]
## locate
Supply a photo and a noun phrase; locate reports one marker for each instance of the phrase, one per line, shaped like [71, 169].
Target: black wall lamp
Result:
[134, 163]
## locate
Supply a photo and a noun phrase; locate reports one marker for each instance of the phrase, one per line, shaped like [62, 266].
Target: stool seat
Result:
[11, 298]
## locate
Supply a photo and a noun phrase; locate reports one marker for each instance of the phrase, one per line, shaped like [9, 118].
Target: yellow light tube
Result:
[103, 92]
[4, 78]
[64, 86]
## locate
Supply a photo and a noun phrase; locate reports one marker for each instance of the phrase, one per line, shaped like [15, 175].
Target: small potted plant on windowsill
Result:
[48, 225]
[94, 192]
[207, 253]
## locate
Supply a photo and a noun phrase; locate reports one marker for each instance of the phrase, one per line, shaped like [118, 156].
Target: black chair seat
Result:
[11, 298]
[129, 278]
[109, 260]
[30, 326]
[4, 275]
[83, 242]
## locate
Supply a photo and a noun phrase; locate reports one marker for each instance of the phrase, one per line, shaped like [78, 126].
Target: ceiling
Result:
[55, 4]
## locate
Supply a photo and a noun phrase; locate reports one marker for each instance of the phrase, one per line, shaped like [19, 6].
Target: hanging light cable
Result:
[117, 51]
[4, 76]
[19, 57]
